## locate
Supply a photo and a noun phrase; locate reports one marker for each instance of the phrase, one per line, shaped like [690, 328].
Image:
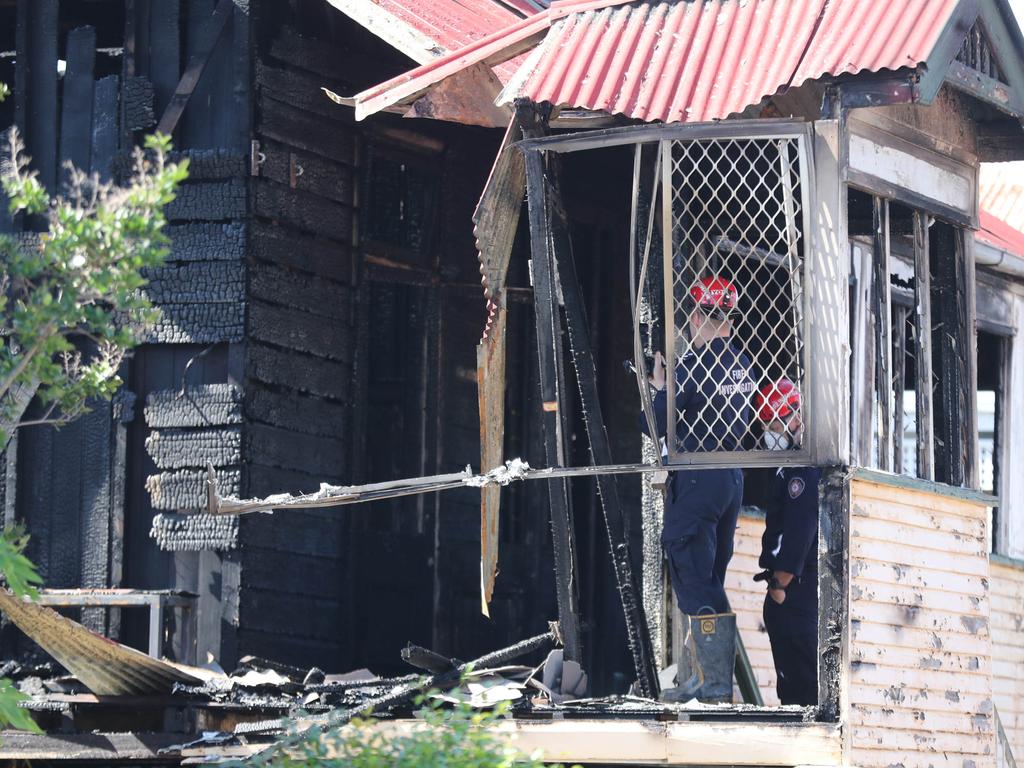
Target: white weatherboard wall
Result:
[920, 685]
[1007, 600]
[746, 597]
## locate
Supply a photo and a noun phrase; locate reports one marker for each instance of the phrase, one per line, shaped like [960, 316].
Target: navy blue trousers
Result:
[793, 631]
[699, 533]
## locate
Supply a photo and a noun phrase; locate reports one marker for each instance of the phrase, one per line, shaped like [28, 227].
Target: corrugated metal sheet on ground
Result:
[687, 60]
[104, 667]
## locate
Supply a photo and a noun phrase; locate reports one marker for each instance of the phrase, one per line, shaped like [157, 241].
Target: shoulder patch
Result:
[796, 487]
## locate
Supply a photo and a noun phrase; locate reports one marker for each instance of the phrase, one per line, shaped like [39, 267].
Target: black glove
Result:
[765, 575]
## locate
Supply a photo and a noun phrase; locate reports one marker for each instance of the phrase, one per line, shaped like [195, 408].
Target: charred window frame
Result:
[910, 333]
[400, 193]
[994, 344]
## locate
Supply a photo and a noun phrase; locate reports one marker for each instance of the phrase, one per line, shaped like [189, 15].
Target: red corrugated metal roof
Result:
[427, 29]
[688, 60]
[999, 234]
[1001, 191]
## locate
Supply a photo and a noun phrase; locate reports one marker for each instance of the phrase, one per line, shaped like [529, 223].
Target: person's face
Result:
[790, 426]
[696, 324]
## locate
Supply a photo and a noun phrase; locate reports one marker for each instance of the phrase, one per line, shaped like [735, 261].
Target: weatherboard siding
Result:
[921, 648]
[1006, 588]
[746, 597]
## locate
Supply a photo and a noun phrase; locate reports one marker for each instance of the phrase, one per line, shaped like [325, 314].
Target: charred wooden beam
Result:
[951, 349]
[77, 99]
[552, 386]
[451, 678]
[883, 331]
[923, 345]
[194, 71]
[834, 516]
[431, 661]
[639, 638]
[35, 84]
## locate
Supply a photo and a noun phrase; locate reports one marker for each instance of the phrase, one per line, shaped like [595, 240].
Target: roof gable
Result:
[988, 63]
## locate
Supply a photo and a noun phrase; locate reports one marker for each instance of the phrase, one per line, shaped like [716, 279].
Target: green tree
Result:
[71, 304]
[456, 737]
[71, 307]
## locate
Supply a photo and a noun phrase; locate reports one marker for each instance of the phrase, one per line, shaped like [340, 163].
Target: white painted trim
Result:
[916, 174]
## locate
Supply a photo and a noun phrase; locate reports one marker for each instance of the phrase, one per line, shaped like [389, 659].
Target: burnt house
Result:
[323, 314]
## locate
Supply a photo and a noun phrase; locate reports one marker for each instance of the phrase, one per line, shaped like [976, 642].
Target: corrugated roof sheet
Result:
[693, 61]
[427, 29]
[999, 234]
[1001, 191]
[687, 60]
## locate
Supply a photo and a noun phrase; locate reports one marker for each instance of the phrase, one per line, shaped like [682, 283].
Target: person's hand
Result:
[783, 577]
[778, 595]
[658, 373]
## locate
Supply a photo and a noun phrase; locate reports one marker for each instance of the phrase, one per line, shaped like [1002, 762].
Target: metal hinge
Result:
[256, 158]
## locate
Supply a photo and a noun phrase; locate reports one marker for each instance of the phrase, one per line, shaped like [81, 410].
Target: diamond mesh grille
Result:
[734, 211]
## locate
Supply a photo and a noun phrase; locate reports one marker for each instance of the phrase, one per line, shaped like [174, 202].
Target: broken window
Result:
[910, 376]
[400, 193]
[993, 359]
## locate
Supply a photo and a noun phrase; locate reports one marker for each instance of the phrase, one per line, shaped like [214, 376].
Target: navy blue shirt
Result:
[790, 540]
[713, 400]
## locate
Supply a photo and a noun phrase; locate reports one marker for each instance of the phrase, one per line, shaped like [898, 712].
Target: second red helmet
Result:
[777, 400]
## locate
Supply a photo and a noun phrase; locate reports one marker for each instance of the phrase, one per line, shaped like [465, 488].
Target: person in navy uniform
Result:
[789, 551]
[713, 414]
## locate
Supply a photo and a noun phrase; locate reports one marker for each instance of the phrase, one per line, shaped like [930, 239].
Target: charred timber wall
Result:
[299, 361]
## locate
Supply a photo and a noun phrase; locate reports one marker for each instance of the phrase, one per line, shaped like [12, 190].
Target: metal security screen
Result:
[734, 238]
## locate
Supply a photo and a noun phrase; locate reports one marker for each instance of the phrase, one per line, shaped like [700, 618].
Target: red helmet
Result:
[777, 400]
[715, 294]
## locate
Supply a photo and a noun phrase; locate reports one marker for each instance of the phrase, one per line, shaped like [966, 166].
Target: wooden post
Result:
[833, 614]
[35, 90]
[549, 349]
[77, 99]
[601, 454]
[923, 339]
[883, 331]
[952, 416]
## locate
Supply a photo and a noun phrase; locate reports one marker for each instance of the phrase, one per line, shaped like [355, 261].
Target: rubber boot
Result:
[714, 636]
[689, 674]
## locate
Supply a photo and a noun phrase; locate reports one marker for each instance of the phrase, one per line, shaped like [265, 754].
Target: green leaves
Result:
[22, 579]
[17, 570]
[11, 715]
[71, 300]
[453, 737]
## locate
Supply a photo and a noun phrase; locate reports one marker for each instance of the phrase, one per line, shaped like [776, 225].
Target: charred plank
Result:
[175, 532]
[299, 372]
[198, 323]
[178, 448]
[186, 489]
[209, 200]
[298, 330]
[307, 415]
[303, 210]
[207, 242]
[273, 284]
[199, 282]
[317, 256]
